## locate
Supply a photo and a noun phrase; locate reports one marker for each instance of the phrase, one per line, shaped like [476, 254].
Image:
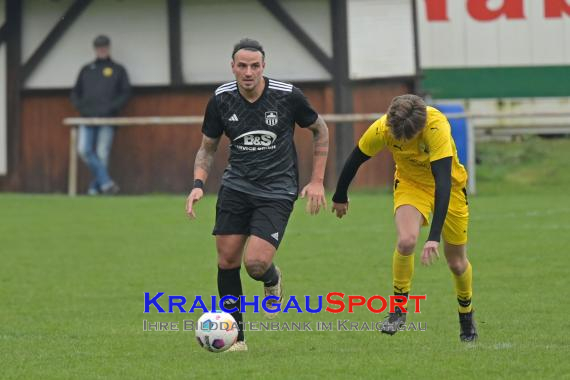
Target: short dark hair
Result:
[101, 40]
[248, 44]
[406, 116]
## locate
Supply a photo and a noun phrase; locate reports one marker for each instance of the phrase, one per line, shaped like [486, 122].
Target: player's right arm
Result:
[202, 166]
[212, 130]
[369, 145]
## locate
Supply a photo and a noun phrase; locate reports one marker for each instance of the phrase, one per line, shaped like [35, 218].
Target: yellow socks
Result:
[464, 290]
[402, 272]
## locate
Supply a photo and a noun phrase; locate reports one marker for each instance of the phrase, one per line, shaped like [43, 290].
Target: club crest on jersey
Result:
[271, 118]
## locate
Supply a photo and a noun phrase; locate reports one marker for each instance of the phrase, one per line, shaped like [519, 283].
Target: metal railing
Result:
[506, 127]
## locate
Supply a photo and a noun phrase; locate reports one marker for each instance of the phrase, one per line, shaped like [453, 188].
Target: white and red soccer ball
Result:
[216, 331]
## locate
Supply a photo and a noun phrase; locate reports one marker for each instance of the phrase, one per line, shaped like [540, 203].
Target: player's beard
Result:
[251, 87]
[250, 84]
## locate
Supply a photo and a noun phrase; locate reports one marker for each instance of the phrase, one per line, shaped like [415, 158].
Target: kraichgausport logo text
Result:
[335, 303]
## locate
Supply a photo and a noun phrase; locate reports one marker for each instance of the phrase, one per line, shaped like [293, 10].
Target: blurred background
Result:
[505, 63]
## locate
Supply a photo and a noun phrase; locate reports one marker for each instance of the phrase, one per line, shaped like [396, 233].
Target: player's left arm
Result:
[315, 190]
[441, 170]
[438, 138]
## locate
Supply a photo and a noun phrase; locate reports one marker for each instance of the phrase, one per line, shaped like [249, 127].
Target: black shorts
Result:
[239, 213]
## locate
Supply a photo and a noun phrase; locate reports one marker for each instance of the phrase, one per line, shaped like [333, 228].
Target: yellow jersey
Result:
[413, 157]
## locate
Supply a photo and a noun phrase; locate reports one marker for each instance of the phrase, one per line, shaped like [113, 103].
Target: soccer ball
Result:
[216, 331]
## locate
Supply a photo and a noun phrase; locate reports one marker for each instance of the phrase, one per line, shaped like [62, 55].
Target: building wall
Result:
[139, 34]
[515, 50]
[148, 159]
[208, 34]
[161, 158]
[381, 38]
[138, 31]
[210, 29]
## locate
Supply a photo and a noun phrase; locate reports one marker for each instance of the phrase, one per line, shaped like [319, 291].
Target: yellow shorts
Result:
[422, 198]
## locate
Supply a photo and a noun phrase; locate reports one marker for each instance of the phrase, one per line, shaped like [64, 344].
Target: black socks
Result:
[229, 284]
[270, 277]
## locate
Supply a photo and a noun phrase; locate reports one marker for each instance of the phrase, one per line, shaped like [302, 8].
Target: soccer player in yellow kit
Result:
[428, 179]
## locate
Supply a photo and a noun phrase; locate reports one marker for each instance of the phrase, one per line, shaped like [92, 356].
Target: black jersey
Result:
[263, 159]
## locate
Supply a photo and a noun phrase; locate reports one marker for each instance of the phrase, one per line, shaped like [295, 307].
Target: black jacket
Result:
[102, 89]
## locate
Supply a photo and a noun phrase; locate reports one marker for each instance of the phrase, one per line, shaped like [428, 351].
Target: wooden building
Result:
[346, 55]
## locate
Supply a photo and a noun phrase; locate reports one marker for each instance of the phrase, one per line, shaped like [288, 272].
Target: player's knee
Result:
[228, 260]
[256, 268]
[457, 266]
[228, 264]
[407, 244]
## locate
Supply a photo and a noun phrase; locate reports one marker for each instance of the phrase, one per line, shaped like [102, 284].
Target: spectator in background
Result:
[101, 90]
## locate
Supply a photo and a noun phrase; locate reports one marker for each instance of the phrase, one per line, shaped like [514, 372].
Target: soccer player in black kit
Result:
[260, 184]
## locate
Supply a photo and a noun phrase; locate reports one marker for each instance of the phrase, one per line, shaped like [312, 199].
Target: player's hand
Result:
[430, 253]
[341, 209]
[315, 193]
[195, 195]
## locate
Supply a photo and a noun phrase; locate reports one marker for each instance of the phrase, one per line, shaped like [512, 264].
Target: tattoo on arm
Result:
[205, 155]
[320, 137]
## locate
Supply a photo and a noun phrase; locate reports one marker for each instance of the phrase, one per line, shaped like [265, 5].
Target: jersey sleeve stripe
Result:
[276, 82]
[226, 89]
[225, 85]
[281, 88]
[280, 85]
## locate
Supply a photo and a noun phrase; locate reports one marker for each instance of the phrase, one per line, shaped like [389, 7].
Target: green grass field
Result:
[74, 272]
